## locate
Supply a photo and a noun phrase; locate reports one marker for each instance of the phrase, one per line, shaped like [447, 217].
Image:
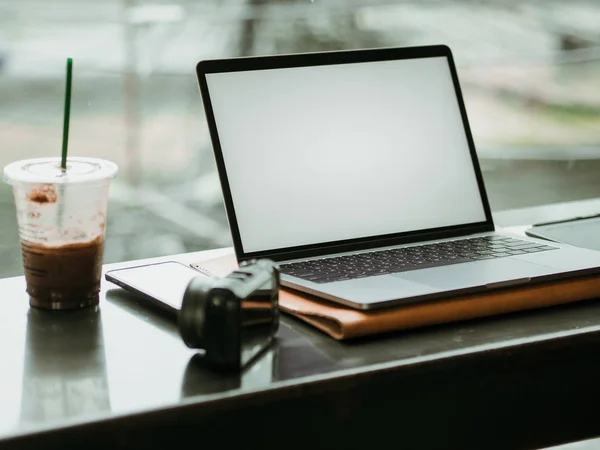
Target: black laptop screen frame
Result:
[332, 58]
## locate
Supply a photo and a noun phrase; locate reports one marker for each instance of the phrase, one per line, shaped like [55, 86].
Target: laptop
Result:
[356, 171]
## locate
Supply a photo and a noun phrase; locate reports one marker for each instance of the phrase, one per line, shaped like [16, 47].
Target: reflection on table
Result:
[64, 372]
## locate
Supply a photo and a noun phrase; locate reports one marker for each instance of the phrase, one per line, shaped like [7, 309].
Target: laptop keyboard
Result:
[382, 262]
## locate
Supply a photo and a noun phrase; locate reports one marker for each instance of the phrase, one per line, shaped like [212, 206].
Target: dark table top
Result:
[73, 377]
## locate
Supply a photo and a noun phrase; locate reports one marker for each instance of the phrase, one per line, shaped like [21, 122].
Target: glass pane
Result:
[529, 71]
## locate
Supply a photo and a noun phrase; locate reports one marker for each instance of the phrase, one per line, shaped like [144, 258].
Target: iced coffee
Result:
[62, 220]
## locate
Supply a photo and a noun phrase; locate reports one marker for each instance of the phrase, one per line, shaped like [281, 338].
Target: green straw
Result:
[65, 141]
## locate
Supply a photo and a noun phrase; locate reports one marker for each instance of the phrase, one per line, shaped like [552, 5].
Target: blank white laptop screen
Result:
[327, 153]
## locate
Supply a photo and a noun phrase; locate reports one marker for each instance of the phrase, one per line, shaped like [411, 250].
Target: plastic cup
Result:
[62, 221]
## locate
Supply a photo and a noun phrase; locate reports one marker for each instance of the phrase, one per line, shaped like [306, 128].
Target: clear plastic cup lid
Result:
[48, 170]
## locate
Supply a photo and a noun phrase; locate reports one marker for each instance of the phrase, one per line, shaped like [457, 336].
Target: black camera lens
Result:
[192, 314]
[233, 319]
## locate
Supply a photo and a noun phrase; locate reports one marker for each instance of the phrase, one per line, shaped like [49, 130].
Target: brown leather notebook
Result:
[341, 322]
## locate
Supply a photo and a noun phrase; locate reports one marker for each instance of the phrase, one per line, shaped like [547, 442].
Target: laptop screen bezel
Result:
[331, 58]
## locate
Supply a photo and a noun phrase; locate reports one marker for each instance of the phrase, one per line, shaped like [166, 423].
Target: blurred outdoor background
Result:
[530, 73]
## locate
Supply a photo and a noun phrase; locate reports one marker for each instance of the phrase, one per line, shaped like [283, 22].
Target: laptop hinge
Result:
[349, 246]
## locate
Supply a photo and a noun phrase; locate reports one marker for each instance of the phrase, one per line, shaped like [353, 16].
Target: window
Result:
[530, 73]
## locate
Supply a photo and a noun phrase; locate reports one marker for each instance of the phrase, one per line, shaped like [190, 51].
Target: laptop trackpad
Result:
[479, 273]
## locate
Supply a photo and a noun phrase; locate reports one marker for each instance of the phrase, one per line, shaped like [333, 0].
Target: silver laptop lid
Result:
[336, 151]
